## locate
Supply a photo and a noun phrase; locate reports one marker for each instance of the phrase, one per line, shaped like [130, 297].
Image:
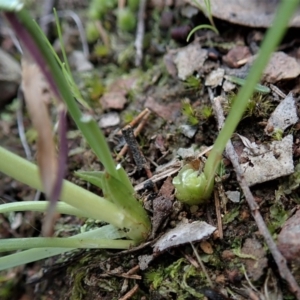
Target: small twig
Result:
[122, 275]
[103, 34]
[191, 260]
[218, 212]
[284, 271]
[140, 33]
[142, 118]
[276, 90]
[133, 145]
[121, 4]
[130, 293]
[135, 249]
[157, 177]
[133, 270]
[137, 119]
[248, 280]
[202, 266]
[204, 151]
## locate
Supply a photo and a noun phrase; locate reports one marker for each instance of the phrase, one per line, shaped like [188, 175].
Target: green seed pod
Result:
[190, 185]
[92, 33]
[126, 19]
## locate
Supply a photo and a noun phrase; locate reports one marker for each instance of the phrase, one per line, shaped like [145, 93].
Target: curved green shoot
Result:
[206, 9]
[240, 81]
[203, 26]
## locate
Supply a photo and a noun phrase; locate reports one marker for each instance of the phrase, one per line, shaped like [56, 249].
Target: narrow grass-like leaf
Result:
[108, 232]
[88, 243]
[41, 206]
[94, 177]
[240, 81]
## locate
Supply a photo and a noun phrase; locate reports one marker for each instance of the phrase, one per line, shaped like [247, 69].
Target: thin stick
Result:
[130, 293]
[159, 176]
[218, 213]
[143, 116]
[284, 271]
[103, 34]
[202, 266]
[140, 33]
[121, 4]
[137, 119]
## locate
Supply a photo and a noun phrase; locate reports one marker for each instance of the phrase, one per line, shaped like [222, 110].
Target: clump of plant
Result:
[128, 223]
[174, 280]
[206, 9]
[205, 181]
[195, 115]
[259, 105]
[98, 9]
[206, 112]
[192, 83]
[189, 112]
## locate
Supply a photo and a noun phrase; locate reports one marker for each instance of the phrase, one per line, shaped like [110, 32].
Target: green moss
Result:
[98, 8]
[7, 288]
[78, 290]
[277, 135]
[192, 83]
[189, 112]
[259, 105]
[278, 215]
[179, 278]
[206, 112]
[289, 185]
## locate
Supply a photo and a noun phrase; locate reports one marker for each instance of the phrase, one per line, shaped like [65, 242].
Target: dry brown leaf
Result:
[37, 96]
[255, 13]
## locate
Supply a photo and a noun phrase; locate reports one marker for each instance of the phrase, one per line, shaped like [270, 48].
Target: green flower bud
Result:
[126, 19]
[92, 33]
[190, 185]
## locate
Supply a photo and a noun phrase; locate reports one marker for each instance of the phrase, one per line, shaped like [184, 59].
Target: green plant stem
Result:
[85, 123]
[94, 206]
[273, 37]
[41, 206]
[108, 232]
[29, 243]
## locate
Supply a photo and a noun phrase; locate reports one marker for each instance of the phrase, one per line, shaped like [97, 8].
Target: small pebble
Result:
[109, 119]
